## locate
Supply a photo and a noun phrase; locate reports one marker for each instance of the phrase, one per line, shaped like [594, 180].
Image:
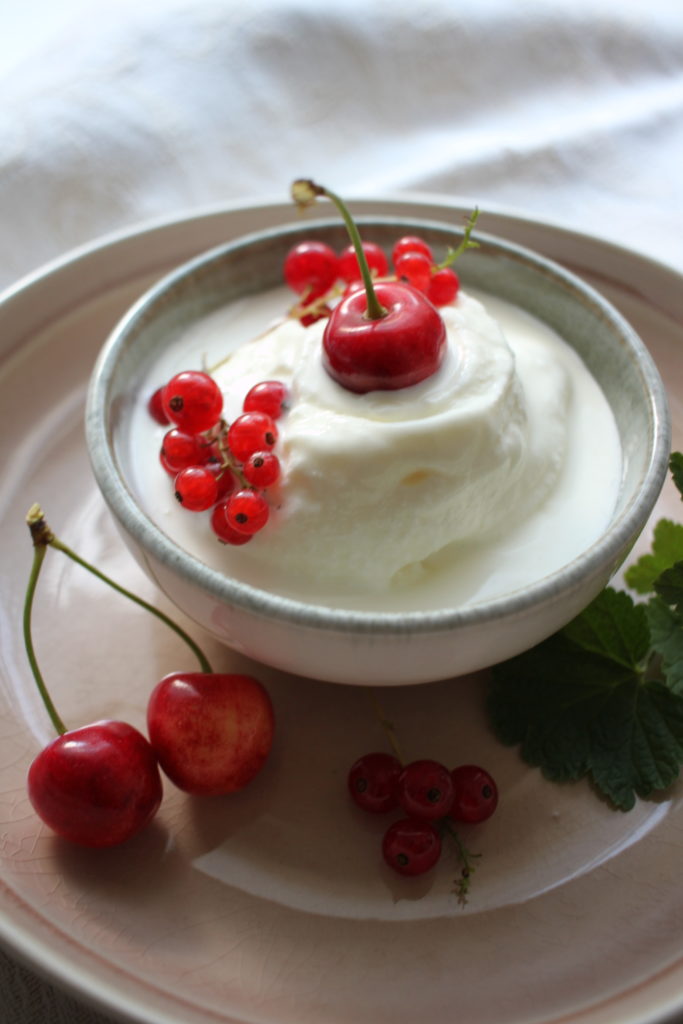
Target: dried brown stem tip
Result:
[305, 192]
[41, 534]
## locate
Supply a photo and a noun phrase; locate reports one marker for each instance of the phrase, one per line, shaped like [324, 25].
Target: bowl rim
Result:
[605, 551]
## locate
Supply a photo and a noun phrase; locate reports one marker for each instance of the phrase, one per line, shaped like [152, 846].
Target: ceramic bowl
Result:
[365, 647]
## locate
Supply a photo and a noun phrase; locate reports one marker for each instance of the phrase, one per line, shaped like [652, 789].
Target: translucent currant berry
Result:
[426, 790]
[180, 450]
[193, 401]
[476, 794]
[374, 254]
[415, 268]
[311, 268]
[196, 488]
[262, 469]
[226, 480]
[443, 286]
[312, 317]
[411, 243]
[251, 432]
[222, 528]
[269, 396]
[373, 782]
[247, 511]
[155, 407]
[411, 846]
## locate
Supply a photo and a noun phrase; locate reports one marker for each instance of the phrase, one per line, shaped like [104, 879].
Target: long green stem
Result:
[388, 728]
[304, 192]
[38, 558]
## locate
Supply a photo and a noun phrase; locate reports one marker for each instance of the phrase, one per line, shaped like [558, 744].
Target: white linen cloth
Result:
[122, 111]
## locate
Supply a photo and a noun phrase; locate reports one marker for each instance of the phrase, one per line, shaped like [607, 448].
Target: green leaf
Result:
[667, 549]
[669, 586]
[666, 631]
[676, 467]
[579, 704]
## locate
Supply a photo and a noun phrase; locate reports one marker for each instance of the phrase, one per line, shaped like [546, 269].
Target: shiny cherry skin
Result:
[373, 782]
[476, 794]
[211, 732]
[397, 350]
[411, 846]
[98, 785]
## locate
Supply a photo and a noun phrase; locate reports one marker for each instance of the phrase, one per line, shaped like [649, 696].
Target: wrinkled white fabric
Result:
[122, 111]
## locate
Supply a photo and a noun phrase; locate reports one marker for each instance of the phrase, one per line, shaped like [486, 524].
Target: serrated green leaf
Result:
[666, 632]
[667, 549]
[579, 705]
[676, 467]
[669, 586]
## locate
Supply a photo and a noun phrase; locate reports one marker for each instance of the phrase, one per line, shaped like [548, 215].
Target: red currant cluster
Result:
[314, 271]
[431, 797]
[215, 465]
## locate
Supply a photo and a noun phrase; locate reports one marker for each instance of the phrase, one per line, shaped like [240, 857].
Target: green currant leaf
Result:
[666, 631]
[667, 549]
[669, 586]
[580, 705]
[676, 467]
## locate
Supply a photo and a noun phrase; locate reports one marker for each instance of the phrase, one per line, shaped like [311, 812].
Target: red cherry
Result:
[425, 790]
[373, 782]
[410, 243]
[193, 401]
[396, 350]
[349, 269]
[311, 268]
[443, 286]
[476, 794]
[212, 733]
[97, 785]
[411, 847]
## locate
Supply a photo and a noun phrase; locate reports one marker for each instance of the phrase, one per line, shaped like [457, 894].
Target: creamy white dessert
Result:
[473, 483]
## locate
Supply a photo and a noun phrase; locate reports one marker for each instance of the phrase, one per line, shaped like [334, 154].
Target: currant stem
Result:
[304, 193]
[388, 729]
[42, 535]
[453, 254]
[38, 558]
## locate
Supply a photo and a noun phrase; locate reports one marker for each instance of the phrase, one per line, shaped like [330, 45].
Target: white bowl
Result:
[365, 647]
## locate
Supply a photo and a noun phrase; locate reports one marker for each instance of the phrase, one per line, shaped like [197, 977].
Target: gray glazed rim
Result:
[514, 262]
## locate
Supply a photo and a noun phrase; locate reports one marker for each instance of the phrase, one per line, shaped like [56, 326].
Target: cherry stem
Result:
[42, 537]
[305, 192]
[38, 558]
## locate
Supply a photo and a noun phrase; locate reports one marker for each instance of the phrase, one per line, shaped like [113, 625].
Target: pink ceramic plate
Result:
[272, 906]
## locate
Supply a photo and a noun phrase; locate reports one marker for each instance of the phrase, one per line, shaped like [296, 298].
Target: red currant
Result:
[313, 315]
[348, 262]
[425, 790]
[269, 396]
[251, 432]
[262, 469]
[155, 407]
[180, 450]
[222, 528]
[443, 286]
[193, 401]
[311, 268]
[415, 268]
[410, 243]
[373, 782]
[476, 794]
[411, 847]
[196, 488]
[226, 480]
[247, 511]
